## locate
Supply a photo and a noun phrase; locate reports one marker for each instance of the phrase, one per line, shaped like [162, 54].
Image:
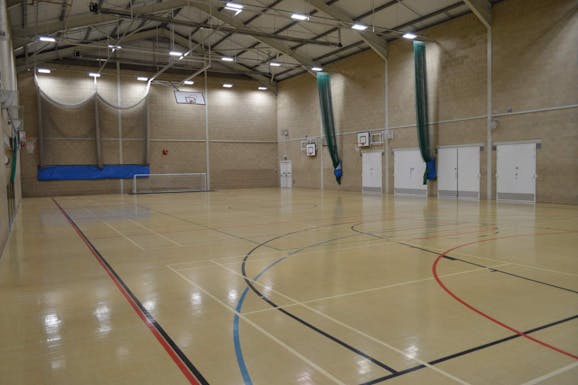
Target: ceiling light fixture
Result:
[237, 8]
[114, 47]
[359, 27]
[189, 82]
[262, 88]
[226, 58]
[142, 78]
[227, 85]
[176, 53]
[316, 69]
[300, 17]
[275, 64]
[409, 36]
[43, 70]
[93, 75]
[47, 39]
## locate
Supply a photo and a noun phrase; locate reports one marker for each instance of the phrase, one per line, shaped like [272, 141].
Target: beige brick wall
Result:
[242, 130]
[534, 67]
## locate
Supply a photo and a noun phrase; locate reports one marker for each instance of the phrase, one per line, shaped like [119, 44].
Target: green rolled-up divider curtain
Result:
[14, 145]
[324, 88]
[421, 98]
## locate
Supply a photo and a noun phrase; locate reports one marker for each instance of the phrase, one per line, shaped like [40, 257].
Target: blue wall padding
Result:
[87, 172]
[431, 170]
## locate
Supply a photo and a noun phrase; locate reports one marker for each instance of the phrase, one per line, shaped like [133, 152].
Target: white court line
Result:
[156, 233]
[547, 376]
[378, 288]
[503, 260]
[253, 324]
[123, 235]
[351, 328]
[404, 283]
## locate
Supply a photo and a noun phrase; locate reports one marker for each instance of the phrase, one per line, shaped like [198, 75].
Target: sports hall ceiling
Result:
[260, 37]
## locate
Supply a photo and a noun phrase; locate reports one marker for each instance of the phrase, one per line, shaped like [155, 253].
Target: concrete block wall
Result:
[534, 68]
[242, 130]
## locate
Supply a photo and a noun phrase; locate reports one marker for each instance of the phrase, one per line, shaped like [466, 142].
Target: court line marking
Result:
[179, 358]
[259, 328]
[438, 251]
[156, 233]
[114, 229]
[480, 312]
[351, 328]
[554, 373]
[468, 351]
[123, 235]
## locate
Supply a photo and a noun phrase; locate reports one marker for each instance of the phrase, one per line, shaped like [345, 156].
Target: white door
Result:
[469, 172]
[409, 168]
[516, 172]
[447, 172]
[286, 173]
[371, 171]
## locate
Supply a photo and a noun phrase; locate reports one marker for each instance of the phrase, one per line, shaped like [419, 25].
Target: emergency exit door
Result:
[516, 172]
[459, 172]
[286, 174]
[371, 174]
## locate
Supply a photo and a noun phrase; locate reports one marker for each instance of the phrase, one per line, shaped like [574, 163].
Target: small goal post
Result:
[169, 183]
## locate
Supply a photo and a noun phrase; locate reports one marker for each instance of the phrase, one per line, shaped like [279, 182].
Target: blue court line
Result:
[236, 338]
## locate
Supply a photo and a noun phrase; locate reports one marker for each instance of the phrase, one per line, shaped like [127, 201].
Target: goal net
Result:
[169, 183]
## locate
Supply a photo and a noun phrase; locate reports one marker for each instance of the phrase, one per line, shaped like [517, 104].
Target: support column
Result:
[489, 153]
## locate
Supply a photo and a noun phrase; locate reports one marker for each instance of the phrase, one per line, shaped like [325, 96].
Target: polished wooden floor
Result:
[281, 287]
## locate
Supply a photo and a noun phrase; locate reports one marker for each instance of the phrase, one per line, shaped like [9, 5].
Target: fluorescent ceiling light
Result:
[189, 82]
[94, 75]
[142, 78]
[114, 47]
[176, 53]
[359, 27]
[409, 36]
[226, 58]
[275, 64]
[316, 69]
[300, 17]
[237, 8]
[43, 71]
[227, 85]
[262, 88]
[47, 39]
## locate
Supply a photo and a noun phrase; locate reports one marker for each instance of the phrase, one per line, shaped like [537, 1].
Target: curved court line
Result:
[237, 339]
[342, 324]
[191, 373]
[480, 312]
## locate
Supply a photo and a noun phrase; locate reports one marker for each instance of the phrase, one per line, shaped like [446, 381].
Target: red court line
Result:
[473, 308]
[176, 359]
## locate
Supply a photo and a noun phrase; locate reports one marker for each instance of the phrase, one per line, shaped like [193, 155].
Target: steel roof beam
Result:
[482, 9]
[372, 39]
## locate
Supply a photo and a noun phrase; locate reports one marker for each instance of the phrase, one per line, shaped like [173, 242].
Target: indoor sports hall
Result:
[279, 192]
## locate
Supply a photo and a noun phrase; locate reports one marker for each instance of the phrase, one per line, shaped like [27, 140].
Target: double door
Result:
[459, 172]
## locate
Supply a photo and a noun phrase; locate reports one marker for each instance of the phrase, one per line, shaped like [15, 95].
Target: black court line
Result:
[468, 351]
[166, 341]
[301, 320]
[493, 269]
